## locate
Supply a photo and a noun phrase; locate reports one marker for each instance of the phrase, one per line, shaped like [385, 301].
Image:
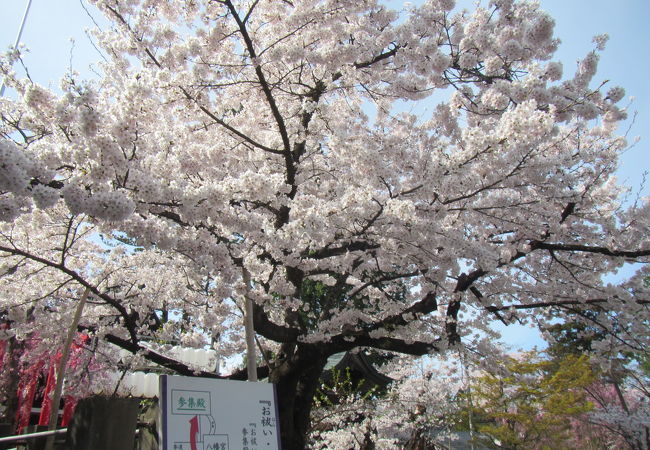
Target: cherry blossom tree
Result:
[236, 140]
[620, 392]
[56, 254]
[418, 410]
[620, 418]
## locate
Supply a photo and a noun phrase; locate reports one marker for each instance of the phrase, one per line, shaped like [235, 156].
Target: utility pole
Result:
[470, 404]
[60, 373]
[20, 33]
[251, 363]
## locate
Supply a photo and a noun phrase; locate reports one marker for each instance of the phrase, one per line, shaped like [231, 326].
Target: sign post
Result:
[208, 414]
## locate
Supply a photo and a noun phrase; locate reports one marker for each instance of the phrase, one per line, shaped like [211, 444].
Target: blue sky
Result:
[52, 23]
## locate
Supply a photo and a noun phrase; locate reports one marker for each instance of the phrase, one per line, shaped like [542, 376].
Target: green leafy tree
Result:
[530, 402]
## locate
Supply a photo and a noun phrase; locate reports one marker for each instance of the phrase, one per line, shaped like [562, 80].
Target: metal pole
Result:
[60, 373]
[470, 404]
[251, 363]
[20, 33]
[21, 437]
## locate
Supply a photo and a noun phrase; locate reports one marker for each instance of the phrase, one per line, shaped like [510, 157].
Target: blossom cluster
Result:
[277, 140]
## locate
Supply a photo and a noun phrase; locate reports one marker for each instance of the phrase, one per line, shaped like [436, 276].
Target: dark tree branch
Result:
[129, 321]
[465, 281]
[231, 129]
[380, 57]
[426, 305]
[170, 363]
[265, 86]
[560, 303]
[190, 97]
[271, 330]
[344, 343]
[382, 279]
[589, 249]
[328, 252]
[568, 210]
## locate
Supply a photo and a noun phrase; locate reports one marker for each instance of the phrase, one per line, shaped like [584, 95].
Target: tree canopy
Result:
[533, 403]
[235, 140]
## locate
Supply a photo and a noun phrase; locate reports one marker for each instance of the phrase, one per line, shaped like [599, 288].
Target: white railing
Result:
[22, 437]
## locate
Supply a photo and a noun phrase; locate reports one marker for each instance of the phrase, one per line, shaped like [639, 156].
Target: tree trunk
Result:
[296, 379]
[418, 441]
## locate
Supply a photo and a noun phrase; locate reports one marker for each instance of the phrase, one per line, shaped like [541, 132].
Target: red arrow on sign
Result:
[194, 430]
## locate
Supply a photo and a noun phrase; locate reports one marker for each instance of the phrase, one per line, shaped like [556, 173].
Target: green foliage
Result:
[574, 337]
[341, 387]
[578, 337]
[323, 300]
[530, 403]
[644, 365]
[320, 297]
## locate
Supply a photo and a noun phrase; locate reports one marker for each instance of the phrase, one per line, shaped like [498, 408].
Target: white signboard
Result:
[209, 414]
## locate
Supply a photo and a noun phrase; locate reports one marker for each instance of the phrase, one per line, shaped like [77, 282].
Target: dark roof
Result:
[360, 369]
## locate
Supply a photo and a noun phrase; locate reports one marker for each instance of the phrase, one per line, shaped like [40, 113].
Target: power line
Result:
[20, 33]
